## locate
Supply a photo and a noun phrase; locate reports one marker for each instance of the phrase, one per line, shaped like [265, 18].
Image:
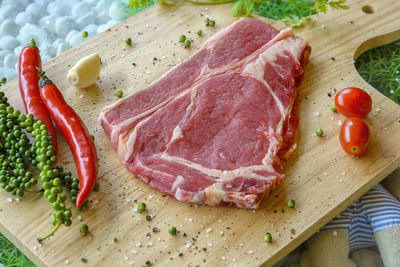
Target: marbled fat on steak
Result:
[215, 128]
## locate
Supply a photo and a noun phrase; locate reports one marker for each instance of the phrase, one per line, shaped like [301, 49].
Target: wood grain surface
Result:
[321, 178]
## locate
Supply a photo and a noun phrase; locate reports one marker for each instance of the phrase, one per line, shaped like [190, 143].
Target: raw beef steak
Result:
[215, 128]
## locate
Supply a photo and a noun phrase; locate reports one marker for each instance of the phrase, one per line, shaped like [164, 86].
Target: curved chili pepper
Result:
[75, 133]
[28, 61]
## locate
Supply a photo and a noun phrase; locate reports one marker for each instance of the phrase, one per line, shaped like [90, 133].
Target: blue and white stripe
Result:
[375, 211]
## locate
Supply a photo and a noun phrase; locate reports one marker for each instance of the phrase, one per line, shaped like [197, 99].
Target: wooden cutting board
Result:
[321, 178]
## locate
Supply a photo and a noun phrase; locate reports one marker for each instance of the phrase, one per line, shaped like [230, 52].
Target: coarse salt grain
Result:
[220, 221]
[128, 200]
[242, 244]
[79, 217]
[52, 251]
[209, 244]
[250, 252]
[81, 96]
[9, 200]
[187, 245]
[126, 258]
[67, 262]
[133, 251]
[190, 220]
[16, 199]
[325, 174]
[334, 233]
[132, 263]
[149, 244]
[343, 173]
[148, 72]
[341, 181]
[323, 26]
[317, 114]
[221, 233]
[208, 230]
[138, 244]
[339, 122]
[34, 248]
[150, 196]
[223, 258]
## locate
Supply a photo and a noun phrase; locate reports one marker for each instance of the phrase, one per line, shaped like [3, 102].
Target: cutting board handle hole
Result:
[367, 9]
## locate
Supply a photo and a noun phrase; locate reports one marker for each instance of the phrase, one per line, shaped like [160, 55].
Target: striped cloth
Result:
[375, 211]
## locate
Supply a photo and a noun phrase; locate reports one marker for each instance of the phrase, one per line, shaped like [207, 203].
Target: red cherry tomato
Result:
[353, 102]
[354, 136]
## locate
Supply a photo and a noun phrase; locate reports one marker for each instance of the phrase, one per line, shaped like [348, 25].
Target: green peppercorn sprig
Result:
[15, 177]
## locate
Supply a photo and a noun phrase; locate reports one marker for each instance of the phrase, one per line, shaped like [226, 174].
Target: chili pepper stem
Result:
[32, 43]
[43, 78]
[50, 234]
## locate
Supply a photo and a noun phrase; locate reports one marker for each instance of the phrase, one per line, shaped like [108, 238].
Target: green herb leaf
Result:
[338, 4]
[295, 21]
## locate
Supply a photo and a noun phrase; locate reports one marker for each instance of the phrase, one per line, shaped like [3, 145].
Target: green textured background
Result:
[380, 67]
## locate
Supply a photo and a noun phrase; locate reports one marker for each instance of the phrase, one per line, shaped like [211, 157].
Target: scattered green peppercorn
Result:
[182, 38]
[128, 41]
[115, 240]
[172, 230]
[333, 108]
[84, 229]
[119, 93]
[319, 132]
[188, 43]
[199, 32]
[2, 82]
[85, 34]
[268, 238]
[291, 203]
[141, 207]
[212, 23]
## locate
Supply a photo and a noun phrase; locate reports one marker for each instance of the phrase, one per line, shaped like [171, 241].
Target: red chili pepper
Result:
[75, 133]
[29, 60]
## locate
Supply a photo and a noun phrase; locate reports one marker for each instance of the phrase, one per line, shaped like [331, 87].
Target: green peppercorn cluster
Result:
[14, 176]
[15, 149]
[209, 22]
